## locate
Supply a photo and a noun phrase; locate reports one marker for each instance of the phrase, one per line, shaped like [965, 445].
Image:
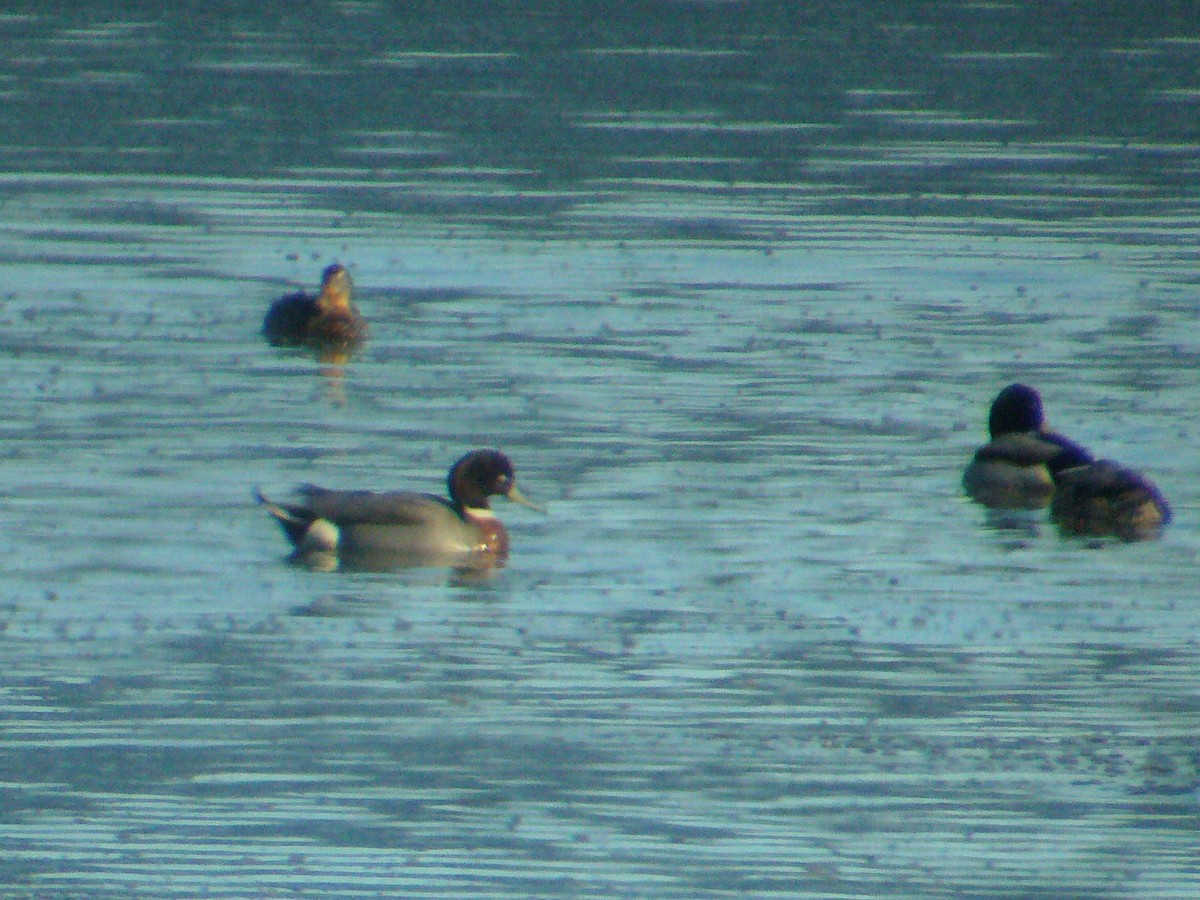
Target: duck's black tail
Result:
[294, 520]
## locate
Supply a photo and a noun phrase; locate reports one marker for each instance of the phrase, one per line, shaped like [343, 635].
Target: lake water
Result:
[733, 284]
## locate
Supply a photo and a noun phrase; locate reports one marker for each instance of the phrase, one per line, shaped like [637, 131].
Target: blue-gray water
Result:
[733, 284]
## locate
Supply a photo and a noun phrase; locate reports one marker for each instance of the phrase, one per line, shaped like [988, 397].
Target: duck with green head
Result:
[336, 529]
[1011, 471]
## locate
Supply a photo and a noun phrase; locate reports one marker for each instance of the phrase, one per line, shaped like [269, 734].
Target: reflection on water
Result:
[735, 285]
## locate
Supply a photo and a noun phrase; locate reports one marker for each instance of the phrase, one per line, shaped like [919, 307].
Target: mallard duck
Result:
[1011, 471]
[327, 322]
[335, 529]
[1100, 498]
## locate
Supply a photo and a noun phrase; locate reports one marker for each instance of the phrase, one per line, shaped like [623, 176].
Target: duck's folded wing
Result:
[287, 318]
[1071, 451]
[1027, 449]
[1116, 483]
[388, 508]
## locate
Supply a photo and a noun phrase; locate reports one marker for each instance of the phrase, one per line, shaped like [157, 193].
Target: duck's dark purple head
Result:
[1016, 409]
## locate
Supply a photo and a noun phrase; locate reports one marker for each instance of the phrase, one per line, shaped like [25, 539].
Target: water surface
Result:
[733, 287]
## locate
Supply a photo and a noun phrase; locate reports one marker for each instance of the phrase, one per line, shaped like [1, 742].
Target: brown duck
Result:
[328, 322]
[1102, 498]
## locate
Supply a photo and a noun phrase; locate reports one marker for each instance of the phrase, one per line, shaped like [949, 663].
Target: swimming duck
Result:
[326, 322]
[1012, 471]
[1099, 498]
[365, 530]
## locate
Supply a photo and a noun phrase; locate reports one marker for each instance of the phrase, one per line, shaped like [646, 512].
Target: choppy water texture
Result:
[733, 285]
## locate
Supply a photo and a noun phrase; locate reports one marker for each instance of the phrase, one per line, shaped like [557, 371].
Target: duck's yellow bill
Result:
[520, 499]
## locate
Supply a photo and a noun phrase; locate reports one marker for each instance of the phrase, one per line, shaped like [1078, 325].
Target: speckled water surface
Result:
[733, 286]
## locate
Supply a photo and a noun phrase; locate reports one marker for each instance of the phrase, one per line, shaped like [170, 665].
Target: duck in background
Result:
[1102, 498]
[327, 323]
[364, 530]
[1012, 470]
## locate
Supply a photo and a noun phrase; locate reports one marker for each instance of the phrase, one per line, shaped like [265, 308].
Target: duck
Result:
[1102, 498]
[1012, 470]
[327, 322]
[367, 530]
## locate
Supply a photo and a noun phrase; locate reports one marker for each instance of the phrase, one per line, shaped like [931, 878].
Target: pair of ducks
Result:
[1026, 465]
[364, 530]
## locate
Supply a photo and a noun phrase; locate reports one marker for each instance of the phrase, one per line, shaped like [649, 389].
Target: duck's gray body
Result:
[366, 530]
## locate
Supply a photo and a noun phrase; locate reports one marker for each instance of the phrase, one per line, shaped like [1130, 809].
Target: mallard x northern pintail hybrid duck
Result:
[327, 322]
[1101, 498]
[378, 531]
[1011, 471]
